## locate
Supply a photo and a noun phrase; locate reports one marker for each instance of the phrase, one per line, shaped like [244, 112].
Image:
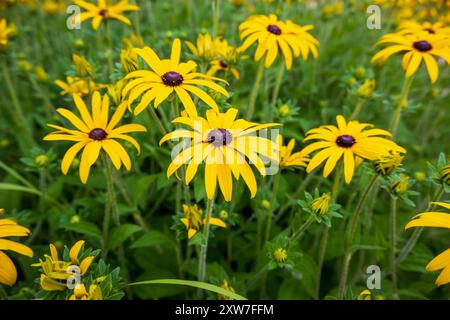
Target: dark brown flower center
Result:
[219, 137]
[103, 12]
[274, 29]
[422, 46]
[345, 141]
[429, 30]
[223, 64]
[98, 134]
[172, 78]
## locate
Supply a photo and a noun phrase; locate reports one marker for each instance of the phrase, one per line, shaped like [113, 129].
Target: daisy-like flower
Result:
[413, 27]
[10, 228]
[289, 159]
[417, 47]
[273, 35]
[54, 271]
[205, 47]
[93, 132]
[5, 31]
[437, 220]
[168, 76]
[80, 293]
[193, 220]
[224, 144]
[104, 10]
[227, 57]
[349, 141]
[75, 85]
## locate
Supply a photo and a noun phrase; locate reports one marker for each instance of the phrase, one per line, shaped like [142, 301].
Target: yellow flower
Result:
[387, 163]
[104, 10]
[333, 9]
[54, 6]
[115, 91]
[413, 27]
[445, 174]
[347, 140]
[366, 89]
[93, 133]
[365, 295]
[10, 228]
[55, 272]
[41, 74]
[222, 143]
[5, 31]
[418, 47]
[205, 48]
[75, 85]
[82, 66]
[128, 60]
[80, 293]
[280, 255]
[193, 219]
[289, 159]
[168, 76]
[133, 41]
[227, 58]
[273, 35]
[226, 286]
[420, 176]
[400, 185]
[437, 220]
[321, 204]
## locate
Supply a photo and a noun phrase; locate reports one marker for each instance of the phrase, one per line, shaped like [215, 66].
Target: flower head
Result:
[400, 184]
[205, 47]
[82, 66]
[225, 285]
[80, 293]
[5, 31]
[104, 10]
[417, 47]
[94, 132]
[347, 140]
[387, 163]
[289, 159]
[366, 89]
[445, 174]
[273, 35]
[437, 220]
[10, 228]
[128, 60]
[321, 204]
[224, 144]
[75, 85]
[412, 27]
[280, 255]
[193, 220]
[168, 76]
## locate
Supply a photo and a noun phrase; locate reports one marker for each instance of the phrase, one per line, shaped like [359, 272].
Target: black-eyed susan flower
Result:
[94, 132]
[75, 85]
[168, 76]
[413, 27]
[128, 60]
[387, 163]
[444, 173]
[10, 228]
[204, 48]
[417, 47]
[5, 31]
[105, 10]
[437, 220]
[226, 59]
[82, 66]
[55, 271]
[193, 220]
[224, 144]
[273, 36]
[348, 141]
[289, 159]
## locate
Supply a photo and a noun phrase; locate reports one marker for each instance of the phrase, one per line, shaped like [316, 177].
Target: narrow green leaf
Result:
[16, 187]
[122, 233]
[87, 228]
[195, 284]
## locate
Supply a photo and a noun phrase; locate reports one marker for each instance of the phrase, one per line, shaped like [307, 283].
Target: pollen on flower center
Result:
[223, 64]
[274, 29]
[345, 141]
[103, 12]
[422, 46]
[219, 137]
[172, 78]
[98, 134]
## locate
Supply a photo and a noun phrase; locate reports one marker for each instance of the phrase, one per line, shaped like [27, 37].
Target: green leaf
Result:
[122, 233]
[87, 228]
[195, 284]
[16, 187]
[153, 238]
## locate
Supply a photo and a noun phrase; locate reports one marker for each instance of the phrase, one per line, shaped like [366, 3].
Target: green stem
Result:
[108, 45]
[254, 93]
[204, 246]
[157, 120]
[402, 103]
[276, 90]
[351, 235]
[301, 229]
[418, 231]
[216, 16]
[21, 122]
[392, 244]
[276, 184]
[357, 110]
[324, 241]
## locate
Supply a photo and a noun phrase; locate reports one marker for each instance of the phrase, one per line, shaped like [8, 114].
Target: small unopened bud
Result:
[366, 89]
[41, 160]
